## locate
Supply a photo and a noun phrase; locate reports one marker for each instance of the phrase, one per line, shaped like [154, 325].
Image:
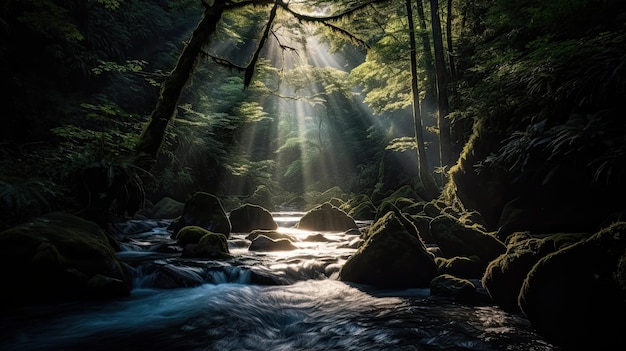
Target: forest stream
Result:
[223, 309]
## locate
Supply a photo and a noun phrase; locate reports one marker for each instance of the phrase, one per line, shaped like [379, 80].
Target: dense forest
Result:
[507, 109]
[527, 105]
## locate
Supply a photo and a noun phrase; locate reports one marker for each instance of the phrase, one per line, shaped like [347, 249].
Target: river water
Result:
[220, 305]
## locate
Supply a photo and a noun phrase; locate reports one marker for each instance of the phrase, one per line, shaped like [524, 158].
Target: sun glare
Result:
[301, 113]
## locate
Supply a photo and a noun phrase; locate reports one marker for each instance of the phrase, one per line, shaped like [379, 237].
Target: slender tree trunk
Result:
[457, 127]
[445, 143]
[449, 42]
[431, 190]
[429, 67]
[153, 135]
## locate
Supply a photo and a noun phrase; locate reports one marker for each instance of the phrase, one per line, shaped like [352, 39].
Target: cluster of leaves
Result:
[544, 93]
[79, 88]
[25, 199]
[593, 143]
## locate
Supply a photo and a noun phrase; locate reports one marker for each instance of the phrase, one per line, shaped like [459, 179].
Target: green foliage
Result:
[535, 14]
[386, 87]
[24, 200]
[129, 66]
[402, 144]
[252, 111]
[50, 18]
[110, 4]
[598, 141]
[107, 133]
[106, 188]
[541, 82]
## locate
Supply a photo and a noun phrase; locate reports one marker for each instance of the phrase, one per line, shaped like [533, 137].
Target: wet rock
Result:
[360, 208]
[191, 234]
[457, 239]
[575, 297]
[166, 208]
[249, 217]
[326, 217]
[462, 267]
[391, 257]
[54, 257]
[204, 210]
[460, 289]
[211, 245]
[272, 234]
[320, 238]
[505, 275]
[169, 276]
[264, 243]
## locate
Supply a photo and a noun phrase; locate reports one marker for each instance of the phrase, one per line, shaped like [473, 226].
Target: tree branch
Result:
[250, 68]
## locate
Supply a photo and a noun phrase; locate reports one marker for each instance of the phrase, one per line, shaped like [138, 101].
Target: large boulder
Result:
[166, 208]
[262, 196]
[59, 257]
[211, 245]
[360, 207]
[391, 257]
[249, 217]
[422, 223]
[326, 217]
[457, 239]
[273, 234]
[190, 234]
[552, 216]
[576, 296]
[405, 218]
[446, 285]
[203, 210]
[264, 243]
[461, 267]
[505, 275]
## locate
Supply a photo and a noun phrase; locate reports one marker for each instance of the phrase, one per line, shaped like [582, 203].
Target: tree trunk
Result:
[449, 42]
[445, 144]
[430, 89]
[458, 127]
[431, 190]
[153, 135]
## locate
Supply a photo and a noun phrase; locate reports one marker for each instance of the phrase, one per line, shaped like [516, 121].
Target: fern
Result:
[24, 200]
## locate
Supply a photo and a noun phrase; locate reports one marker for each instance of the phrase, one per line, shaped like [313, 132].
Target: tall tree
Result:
[152, 137]
[451, 60]
[430, 187]
[445, 143]
[428, 65]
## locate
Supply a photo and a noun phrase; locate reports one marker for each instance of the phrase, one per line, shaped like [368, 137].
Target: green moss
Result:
[191, 235]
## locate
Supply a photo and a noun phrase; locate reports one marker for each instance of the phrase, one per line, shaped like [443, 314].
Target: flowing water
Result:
[194, 304]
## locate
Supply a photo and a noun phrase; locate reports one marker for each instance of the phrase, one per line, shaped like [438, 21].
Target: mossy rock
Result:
[203, 210]
[456, 239]
[460, 289]
[391, 257]
[263, 197]
[191, 234]
[264, 243]
[573, 296]
[273, 234]
[408, 223]
[249, 217]
[211, 245]
[326, 217]
[360, 207]
[167, 208]
[504, 276]
[53, 257]
[462, 267]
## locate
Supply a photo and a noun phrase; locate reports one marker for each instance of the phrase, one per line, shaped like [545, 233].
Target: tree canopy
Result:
[305, 95]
